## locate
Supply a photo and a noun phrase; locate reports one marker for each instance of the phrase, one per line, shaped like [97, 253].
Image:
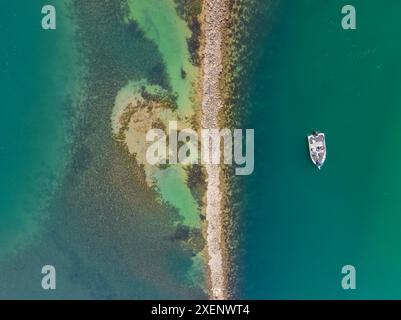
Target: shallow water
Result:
[100, 225]
[35, 104]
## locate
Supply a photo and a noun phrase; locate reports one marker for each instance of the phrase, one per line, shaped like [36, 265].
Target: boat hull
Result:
[317, 148]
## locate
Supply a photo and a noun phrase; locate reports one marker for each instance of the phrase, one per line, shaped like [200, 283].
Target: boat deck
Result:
[317, 148]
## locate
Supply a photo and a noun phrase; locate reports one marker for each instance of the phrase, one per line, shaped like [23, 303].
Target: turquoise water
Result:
[36, 79]
[301, 225]
[73, 200]
[70, 196]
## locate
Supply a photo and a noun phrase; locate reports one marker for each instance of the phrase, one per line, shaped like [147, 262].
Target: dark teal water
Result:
[73, 201]
[301, 225]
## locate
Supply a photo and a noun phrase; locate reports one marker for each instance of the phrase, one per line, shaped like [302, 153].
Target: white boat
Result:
[317, 148]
